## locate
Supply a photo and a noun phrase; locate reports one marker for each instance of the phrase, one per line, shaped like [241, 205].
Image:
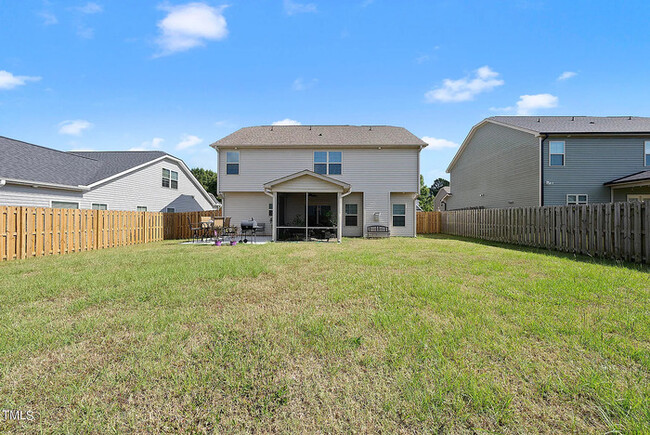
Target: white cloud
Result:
[190, 25]
[74, 127]
[301, 85]
[48, 18]
[292, 8]
[148, 145]
[85, 32]
[188, 141]
[566, 75]
[10, 81]
[90, 8]
[438, 144]
[465, 89]
[527, 104]
[287, 121]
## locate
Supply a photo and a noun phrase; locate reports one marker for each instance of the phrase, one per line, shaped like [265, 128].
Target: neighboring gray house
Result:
[35, 176]
[306, 181]
[519, 161]
[440, 201]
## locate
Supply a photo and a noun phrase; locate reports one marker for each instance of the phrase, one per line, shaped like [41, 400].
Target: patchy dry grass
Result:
[432, 334]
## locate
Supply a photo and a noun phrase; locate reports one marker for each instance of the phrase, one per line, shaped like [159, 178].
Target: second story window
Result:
[169, 179]
[327, 162]
[232, 162]
[647, 153]
[556, 153]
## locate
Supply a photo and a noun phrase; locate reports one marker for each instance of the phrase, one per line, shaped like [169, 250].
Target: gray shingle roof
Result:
[638, 176]
[24, 161]
[317, 135]
[578, 124]
[114, 162]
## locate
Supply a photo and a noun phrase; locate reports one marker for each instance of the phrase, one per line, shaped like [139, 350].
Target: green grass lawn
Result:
[434, 334]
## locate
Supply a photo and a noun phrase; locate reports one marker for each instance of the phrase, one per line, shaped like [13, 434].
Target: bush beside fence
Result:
[617, 230]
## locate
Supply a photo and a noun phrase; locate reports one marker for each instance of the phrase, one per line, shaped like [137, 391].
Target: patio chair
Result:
[207, 227]
[195, 230]
[218, 226]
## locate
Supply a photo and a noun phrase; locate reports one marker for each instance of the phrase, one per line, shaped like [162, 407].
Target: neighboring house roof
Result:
[27, 163]
[633, 178]
[320, 135]
[444, 191]
[540, 125]
[116, 162]
[577, 124]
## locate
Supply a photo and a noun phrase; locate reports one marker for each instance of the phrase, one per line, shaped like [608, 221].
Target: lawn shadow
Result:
[559, 254]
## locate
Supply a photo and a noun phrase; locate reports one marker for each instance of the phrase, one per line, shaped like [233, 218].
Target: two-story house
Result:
[521, 161]
[304, 181]
[36, 176]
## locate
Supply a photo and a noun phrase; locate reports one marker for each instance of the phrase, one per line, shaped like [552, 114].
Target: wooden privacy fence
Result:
[32, 232]
[176, 224]
[617, 230]
[428, 222]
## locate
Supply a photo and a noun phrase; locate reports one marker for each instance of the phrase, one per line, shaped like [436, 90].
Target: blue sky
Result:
[176, 76]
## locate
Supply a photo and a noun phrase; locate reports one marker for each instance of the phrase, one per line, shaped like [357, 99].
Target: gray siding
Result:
[140, 188]
[498, 168]
[590, 162]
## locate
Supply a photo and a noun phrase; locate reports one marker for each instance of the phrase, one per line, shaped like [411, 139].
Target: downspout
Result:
[541, 169]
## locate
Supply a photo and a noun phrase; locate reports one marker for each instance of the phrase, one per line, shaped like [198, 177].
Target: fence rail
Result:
[34, 231]
[428, 222]
[617, 230]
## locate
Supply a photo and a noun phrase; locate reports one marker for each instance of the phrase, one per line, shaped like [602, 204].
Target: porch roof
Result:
[323, 180]
[638, 178]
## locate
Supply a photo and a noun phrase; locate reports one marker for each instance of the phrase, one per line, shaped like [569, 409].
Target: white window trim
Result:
[327, 163]
[99, 203]
[577, 202]
[141, 206]
[233, 163]
[563, 153]
[392, 214]
[350, 214]
[646, 153]
[69, 202]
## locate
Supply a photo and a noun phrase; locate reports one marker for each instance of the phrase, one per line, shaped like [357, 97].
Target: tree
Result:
[438, 184]
[424, 198]
[207, 178]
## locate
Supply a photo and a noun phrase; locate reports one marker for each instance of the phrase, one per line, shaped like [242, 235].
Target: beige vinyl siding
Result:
[407, 199]
[369, 171]
[140, 188]
[246, 205]
[354, 198]
[498, 168]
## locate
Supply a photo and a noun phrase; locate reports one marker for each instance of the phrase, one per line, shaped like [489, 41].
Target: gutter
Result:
[78, 188]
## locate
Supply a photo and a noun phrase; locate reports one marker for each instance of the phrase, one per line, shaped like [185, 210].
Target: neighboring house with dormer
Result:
[304, 181]
[521, 161]
[35, 176]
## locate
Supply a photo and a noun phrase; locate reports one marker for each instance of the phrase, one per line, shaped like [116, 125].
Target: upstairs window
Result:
[169, 178]
[327, 162]
[399, 215]
[232, 162]
[556, 153]
[577, 199]
[647, 153]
